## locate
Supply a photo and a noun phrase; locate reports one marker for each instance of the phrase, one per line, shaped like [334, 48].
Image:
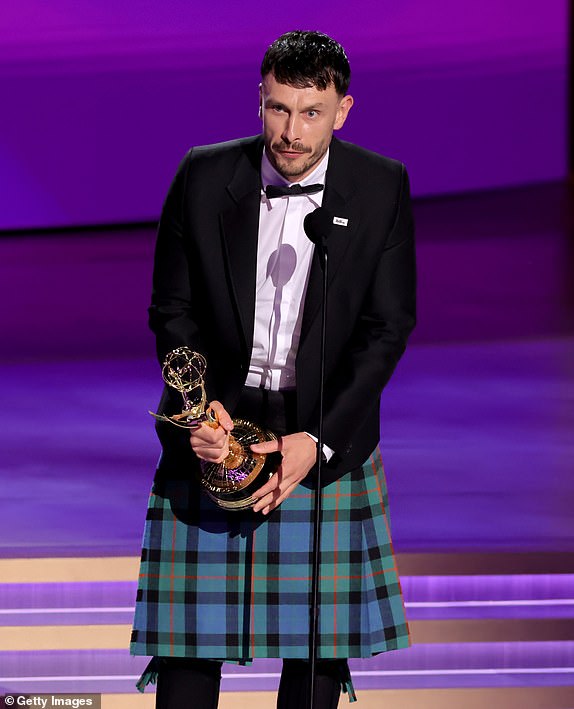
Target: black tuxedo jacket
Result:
[204, 290]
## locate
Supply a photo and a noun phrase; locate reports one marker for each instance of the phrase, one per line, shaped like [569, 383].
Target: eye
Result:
[312, 113]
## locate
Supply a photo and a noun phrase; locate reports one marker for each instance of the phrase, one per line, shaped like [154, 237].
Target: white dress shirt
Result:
[284, 255]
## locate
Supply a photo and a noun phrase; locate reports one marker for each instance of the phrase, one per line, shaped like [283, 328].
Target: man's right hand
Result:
[212, 443]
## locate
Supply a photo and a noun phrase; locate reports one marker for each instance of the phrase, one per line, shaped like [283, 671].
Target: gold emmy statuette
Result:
[230, 484]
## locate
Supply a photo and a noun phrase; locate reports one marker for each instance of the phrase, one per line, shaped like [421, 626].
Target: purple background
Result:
[101, 99]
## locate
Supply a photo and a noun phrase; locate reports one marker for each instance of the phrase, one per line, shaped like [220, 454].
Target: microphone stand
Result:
[315, 603]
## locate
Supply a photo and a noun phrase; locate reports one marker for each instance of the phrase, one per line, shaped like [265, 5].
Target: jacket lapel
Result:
[240, 227]
[338, 201]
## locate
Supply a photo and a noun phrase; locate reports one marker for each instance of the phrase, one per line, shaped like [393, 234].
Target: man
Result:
[236, 279]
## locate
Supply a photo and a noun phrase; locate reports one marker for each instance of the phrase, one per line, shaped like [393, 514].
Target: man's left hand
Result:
[299, 453]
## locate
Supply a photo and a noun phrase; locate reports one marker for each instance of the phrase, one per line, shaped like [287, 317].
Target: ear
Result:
[260, 100]
[345, 105]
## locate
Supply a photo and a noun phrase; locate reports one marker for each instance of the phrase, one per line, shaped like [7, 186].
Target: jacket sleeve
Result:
[171, 315]
[171, 311]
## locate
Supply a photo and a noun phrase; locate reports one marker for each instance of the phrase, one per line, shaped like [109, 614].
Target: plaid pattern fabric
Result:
[235, 585]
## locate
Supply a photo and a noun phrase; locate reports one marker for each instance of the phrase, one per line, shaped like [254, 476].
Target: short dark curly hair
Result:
[304, 59]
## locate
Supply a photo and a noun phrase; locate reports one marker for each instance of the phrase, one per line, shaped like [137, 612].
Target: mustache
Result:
[293, 147]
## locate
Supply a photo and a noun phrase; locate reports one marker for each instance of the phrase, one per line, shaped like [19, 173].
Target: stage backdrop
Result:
[101, 99]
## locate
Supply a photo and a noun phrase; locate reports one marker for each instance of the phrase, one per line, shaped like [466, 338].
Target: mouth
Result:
[291, 153]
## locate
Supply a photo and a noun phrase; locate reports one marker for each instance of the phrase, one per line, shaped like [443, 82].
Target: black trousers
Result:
[189, 683]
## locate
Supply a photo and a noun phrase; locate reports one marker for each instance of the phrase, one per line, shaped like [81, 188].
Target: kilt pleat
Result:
[236, 585]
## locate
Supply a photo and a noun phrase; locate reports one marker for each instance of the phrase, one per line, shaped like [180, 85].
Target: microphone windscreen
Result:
[318, 225]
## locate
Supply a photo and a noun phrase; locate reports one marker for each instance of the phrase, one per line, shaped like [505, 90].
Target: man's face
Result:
[298, 124]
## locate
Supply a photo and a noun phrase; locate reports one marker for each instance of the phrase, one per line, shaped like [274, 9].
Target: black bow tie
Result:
[273, 191]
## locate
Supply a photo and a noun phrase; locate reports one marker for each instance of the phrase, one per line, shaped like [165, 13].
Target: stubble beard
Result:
[287, 169]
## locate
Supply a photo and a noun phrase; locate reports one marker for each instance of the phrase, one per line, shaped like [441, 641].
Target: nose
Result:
[292, 129]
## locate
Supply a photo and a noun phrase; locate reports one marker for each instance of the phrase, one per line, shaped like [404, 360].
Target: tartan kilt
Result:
[237, 585]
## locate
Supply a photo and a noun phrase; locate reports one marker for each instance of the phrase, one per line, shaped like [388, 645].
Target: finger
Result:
[212, 455]
[212, 449]
[271, 485]
[210, 444]
[265, 501]
[275, 501]
[224, 418]
[222, 457]
[276, 487]
[267, 446]
[205, 447]
[206, 434]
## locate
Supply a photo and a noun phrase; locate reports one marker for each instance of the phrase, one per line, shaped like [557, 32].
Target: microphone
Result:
[318, 224]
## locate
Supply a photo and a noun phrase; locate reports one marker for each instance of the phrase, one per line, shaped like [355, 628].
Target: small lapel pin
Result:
[340, 221]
